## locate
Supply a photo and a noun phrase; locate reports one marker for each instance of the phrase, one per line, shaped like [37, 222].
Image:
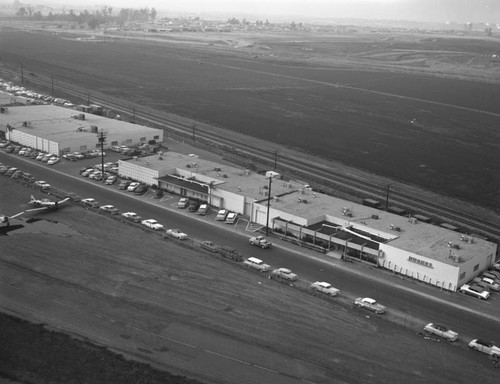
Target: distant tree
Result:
[153, 14]
[22, 12]
[93, 23]
[37, 16]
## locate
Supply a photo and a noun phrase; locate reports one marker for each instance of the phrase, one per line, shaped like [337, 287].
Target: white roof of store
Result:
[58, 124]
[423, 239]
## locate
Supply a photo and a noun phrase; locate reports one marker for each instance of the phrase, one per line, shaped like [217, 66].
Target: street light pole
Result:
[268, 204]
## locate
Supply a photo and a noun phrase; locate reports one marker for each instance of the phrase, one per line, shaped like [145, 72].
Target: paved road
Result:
[412, 304]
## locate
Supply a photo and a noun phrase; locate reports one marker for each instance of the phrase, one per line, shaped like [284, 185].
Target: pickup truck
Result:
[260, 241]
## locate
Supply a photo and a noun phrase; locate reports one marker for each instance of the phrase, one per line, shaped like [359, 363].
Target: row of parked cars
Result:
[482, 286]
[45, 157]
[133, 217]
[202, 208]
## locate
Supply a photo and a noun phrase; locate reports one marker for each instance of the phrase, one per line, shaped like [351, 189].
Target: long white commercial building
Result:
[60, 130]
[340, 228]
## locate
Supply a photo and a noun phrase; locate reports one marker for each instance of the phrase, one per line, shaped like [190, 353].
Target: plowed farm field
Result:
[418, 109]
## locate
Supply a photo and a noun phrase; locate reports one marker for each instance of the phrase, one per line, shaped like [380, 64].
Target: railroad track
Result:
[321, 174]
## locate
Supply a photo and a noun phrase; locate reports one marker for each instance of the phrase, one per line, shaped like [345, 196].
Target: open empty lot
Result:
[192, 313]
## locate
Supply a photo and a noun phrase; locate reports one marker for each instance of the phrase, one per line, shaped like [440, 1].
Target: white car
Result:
[284, 273]
[153, 224]
[132, 216]
[441, 331]
[42, 184]
[485, 346]
[53, 160]
[133, 186]
[370, 304]
[90, 202]
[109, 209]
[324, 287]
[177, 234]
[490, 283]
[253, 262]
[475, 291]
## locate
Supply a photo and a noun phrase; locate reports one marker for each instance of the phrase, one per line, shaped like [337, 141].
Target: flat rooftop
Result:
[402, 232]
[59, 124]
[232, 179]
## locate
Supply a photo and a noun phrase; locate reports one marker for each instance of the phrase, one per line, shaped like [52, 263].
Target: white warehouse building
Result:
[339, 228]
[61, 130]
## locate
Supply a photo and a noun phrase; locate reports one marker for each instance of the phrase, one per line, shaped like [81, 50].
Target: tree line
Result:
[92, 18]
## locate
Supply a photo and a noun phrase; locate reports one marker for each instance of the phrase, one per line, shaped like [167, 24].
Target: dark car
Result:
[193, 205]
[124, 184]
[141, 189]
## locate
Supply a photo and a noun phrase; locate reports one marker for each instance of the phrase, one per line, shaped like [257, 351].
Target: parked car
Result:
[42, 185]
[88, 172]
[176, 233]
[109, 209]
[260, 241]
[133, 186]
[231, 217]
[258, 264]
[47, 157]
[370, 304]
[324, 287]
[141, 189]
[494, 273]
[202, 210]
[40, 156]
[90, 202]
[209, 246]
[153, 224]
[221, 215]
[4, 144]
[230, 253]
[485, 346]
[495, 267]
[183, 203]
[441, 331]
[111, 180]
[132, 216]
[10, 171]
[193, 205]
[53, 160]
[284, 273]
[475, 290]
[124, 184]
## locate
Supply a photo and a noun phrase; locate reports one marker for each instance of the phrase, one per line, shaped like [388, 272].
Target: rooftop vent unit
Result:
[413, 220]
[455, 258]
[375, 217]
[347, 212]
[394, 228]
[467, 239]
[452, 245]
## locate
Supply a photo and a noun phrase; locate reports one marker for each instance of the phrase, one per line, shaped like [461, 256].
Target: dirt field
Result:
[174, 308]
[369, 101]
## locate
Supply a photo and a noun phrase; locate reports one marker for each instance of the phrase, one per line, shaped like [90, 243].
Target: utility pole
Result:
[101, 139]
[275, 159]
[88, 99]
[387, 196]
[268, 204]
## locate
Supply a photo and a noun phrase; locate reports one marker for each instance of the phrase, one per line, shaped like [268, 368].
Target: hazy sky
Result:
[419, 10]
